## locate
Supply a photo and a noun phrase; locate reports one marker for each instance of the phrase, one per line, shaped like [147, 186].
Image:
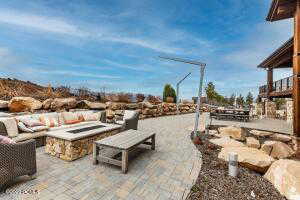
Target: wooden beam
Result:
[296, 80]
[270, 81]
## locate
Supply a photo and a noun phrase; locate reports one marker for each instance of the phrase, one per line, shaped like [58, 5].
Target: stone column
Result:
[289, 111]
[270, 109]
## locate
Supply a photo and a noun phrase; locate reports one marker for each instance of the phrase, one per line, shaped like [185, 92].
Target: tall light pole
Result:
[177, 91]
[202, 68]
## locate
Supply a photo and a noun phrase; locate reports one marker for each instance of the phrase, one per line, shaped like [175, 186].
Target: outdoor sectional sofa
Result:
[40, 136]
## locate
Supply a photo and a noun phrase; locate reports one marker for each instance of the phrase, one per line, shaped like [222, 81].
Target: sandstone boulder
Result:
[23, 104]
[226, 142]
[3, 104]
[91, 105]
[236, 133]
[252, 142]
[132, 106]
[47, 104]
[261, 133]
[285, 176]
[63, 104]
[147, 104]
[277, 149]
[281, 137]
[251, 158]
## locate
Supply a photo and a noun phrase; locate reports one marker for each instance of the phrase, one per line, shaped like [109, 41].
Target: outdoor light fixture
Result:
[177, 92]
[202, 68]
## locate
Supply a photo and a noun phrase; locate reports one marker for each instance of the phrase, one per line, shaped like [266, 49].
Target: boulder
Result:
[47, 104]
[23, 104]
[91, 105]
[252, 142]
[4, 104]
[277, 149]
[226, 142]
[236, 133]
[281, 137]
[251, 158]
[285, 176]
[132, 106]
[63, 104]
[261, 133]
[147, 104]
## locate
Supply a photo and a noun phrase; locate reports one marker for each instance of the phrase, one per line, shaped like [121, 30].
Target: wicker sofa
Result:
[40, 136]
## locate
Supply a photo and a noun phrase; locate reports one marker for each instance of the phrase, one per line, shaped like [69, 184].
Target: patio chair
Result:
[130, 120]
[17, 160]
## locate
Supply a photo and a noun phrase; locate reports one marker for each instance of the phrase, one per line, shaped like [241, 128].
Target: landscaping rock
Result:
[277, 149]
[132, 106]
[63, 104]
[285, 176]
[251, 158]
[281, 137]
[261, 133]
[226, 142]
[236, 133]
[91, 105]
[23, 104]
[3, 104]
[147, 104]
[47, 104]
[252, 142]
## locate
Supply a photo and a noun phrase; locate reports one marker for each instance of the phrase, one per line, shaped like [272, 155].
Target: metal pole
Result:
[177, 92]
[199, 100]
[177, 98]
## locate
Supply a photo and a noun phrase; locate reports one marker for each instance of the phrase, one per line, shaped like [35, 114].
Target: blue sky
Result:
[116, 44]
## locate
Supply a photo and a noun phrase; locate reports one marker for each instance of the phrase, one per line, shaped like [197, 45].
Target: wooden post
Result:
[124, 161]
[269, 82]
[296, 82]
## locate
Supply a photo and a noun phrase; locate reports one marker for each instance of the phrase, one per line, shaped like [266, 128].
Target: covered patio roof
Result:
[281, 58]
[281, 9]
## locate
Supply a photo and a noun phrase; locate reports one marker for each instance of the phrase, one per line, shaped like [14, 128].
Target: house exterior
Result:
[286, 56]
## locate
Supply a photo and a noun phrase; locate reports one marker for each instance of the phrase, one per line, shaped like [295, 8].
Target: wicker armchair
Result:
[130, 120]
[17, 160]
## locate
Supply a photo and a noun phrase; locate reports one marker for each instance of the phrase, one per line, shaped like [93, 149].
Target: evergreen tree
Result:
[169, 92]
[249, 99]
[232, 99]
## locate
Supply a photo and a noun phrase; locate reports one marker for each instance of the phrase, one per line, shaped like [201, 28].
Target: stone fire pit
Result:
[73, 143]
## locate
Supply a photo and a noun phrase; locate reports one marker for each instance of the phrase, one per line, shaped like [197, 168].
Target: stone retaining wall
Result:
[147, 110]
[72, 150]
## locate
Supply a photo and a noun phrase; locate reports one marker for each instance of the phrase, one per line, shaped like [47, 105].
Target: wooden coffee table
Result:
[124, 141]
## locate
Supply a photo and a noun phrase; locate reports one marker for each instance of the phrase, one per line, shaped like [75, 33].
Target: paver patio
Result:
[166, 173]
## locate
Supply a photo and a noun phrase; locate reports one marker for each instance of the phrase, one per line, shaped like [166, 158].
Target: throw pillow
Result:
[39, 128]
[49, 121]
[70, 118]
[10, 126]
[91, 116]
[30, 122]
[6, 140]
[23, 128]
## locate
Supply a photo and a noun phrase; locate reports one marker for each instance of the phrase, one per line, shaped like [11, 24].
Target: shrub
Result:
[169, 92]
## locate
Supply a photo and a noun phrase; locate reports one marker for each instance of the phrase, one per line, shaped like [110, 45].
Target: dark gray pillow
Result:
[3, 130]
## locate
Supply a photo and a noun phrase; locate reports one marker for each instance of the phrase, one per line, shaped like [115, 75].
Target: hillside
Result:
[13, 87]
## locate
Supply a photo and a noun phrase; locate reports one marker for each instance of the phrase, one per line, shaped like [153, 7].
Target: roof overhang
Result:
[281, 9]
[281, 58]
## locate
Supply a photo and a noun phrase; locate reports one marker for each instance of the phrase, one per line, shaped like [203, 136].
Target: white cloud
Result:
[263, 40]
[79, 74]
[7, 58]
[49, 24]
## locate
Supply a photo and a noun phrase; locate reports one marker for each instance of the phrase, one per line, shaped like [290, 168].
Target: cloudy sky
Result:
[115, 44]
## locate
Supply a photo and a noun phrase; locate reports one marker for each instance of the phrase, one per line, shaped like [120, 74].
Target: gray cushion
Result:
[27, 136]
[3, 129]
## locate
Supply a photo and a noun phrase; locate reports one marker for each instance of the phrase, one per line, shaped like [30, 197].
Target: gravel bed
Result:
[214, 183]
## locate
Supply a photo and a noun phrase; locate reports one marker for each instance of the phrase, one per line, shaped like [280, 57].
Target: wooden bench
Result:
[124, 141]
